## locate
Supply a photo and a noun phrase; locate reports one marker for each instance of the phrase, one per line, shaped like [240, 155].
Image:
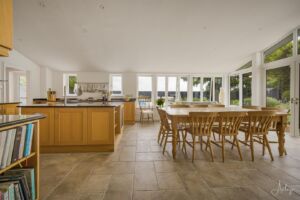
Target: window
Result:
[234, 90]
[207, 89]
[218, 86]
[161, 87]
[278, 87]
[183, 88]
[283, 49]
[172, 85]
[145, 86]
[22, 89]
[247, 82]
[116, 85]
[196, 88]
[70, 81]
[298, 37]
[245, 66]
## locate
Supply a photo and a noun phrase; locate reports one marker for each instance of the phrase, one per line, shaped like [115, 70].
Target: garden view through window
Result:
[283, 49]
[207, 89]
[183, 88]
[145, 86]
[161, 87]
[278, 87]
[218, 86]
[234, 90]
[172, 85]
[246, 81]
[196, 88]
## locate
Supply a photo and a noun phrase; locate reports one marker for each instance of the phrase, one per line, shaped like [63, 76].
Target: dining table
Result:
[177, 116]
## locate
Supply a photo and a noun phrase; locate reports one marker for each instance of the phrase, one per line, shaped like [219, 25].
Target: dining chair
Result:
[146, 108]
[274, 123]
[229, 123]
[198, 106]
[200, 125]
[179, 106]
[257, 130]
[216, 106]
[166, 131]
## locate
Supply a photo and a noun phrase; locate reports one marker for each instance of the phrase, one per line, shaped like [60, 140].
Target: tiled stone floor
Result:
[138, 170]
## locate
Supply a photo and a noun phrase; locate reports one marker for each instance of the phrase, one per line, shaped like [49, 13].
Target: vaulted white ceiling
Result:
[149, 35]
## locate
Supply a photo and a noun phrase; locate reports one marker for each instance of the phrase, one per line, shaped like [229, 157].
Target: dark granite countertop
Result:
[9, 120]
[86, 101]
[72, 105]
[9, 103]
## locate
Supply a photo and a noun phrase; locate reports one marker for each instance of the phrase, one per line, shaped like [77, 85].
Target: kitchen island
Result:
[79, 127]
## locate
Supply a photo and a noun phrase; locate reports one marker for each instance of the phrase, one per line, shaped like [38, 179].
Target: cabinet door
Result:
[4, 51]
[46, 124]
[6, 22]
[10, 109]
[129, 112]
[70, 126]
[101, 122]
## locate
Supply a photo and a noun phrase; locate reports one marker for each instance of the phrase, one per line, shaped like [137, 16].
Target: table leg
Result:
[281, 134]
[174, 136]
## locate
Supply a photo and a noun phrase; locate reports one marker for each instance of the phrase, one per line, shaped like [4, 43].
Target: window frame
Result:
[111, 85]
[66, 83]
[137, 88]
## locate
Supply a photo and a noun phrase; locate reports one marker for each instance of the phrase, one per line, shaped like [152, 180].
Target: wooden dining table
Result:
[179, 115]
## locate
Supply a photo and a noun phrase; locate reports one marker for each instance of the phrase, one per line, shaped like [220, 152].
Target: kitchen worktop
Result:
[8, 120]
[87, 101]
[9, 103]
[72, 105]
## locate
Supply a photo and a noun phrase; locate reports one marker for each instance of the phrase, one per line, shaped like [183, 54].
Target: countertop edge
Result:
[20, 121]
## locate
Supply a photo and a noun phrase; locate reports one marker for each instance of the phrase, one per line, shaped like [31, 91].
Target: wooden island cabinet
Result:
[82, 128]
[6, 27]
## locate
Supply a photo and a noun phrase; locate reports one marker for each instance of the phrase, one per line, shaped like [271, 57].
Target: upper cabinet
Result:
[6, 27]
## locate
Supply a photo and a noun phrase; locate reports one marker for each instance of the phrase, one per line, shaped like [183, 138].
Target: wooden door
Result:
[46, 124]
[70, 126]
[6, 26]
[101, 125]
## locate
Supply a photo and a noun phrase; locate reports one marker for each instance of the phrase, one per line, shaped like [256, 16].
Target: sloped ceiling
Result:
[149, 35]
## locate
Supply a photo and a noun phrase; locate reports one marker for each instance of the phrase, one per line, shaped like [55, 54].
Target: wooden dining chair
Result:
[229, 123]
[146, 109]
[273, 127]
[216, 106]
[200, 125]
[198, 106]
[166, 130]
[179, 106]
[257, 129]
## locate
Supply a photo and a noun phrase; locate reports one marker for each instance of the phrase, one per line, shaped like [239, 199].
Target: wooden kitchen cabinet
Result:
[46, 124]
[101, 126]
[6, 27]
[70, 126]
[129, 112]
[9, 109]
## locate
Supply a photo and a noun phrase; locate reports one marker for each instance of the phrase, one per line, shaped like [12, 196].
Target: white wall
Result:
[18, 61]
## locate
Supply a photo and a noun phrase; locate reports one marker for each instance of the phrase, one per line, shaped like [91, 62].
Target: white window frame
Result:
[66, 83]
[111, 85]
[152, 85]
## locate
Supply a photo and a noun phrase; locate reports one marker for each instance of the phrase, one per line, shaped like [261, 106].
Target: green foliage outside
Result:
[72, 82]
[247, 101]
[160, 102]
[234, 102]
[284, 51]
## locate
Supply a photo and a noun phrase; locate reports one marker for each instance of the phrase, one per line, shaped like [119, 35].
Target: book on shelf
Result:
[15, 144]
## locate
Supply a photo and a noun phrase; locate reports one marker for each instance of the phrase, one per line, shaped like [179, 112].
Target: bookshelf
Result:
[32, 160]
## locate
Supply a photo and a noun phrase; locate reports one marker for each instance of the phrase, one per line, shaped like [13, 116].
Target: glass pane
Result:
[207, 89]
[278, 87]
[196, 88]
[22, 89]
[234, 90]
[218, 86]
[72, 82]
[247, 83]
[183, 88]
[245, 66]
[283, 49]
[161, 86]
[172, 81]
[145, 86]
[117, 84]
[299, 41]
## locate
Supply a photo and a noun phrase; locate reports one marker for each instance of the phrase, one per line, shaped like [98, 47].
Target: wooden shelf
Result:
[18, 162]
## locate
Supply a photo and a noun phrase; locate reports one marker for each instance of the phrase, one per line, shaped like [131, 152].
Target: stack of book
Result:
[15, 144]
[18, 184]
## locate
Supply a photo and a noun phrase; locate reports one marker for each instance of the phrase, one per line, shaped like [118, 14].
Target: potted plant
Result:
[160, 102]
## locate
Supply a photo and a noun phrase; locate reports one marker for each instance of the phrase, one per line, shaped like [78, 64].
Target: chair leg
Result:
[184, 134]
[162, 138]
[193, 154]
[210, 149]
[159, 134]
[251, 147]
[201, 142]
[233, 142]
[269, 148]
[238, 147]
[223, 148]
[263, 146]
[165, 144]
